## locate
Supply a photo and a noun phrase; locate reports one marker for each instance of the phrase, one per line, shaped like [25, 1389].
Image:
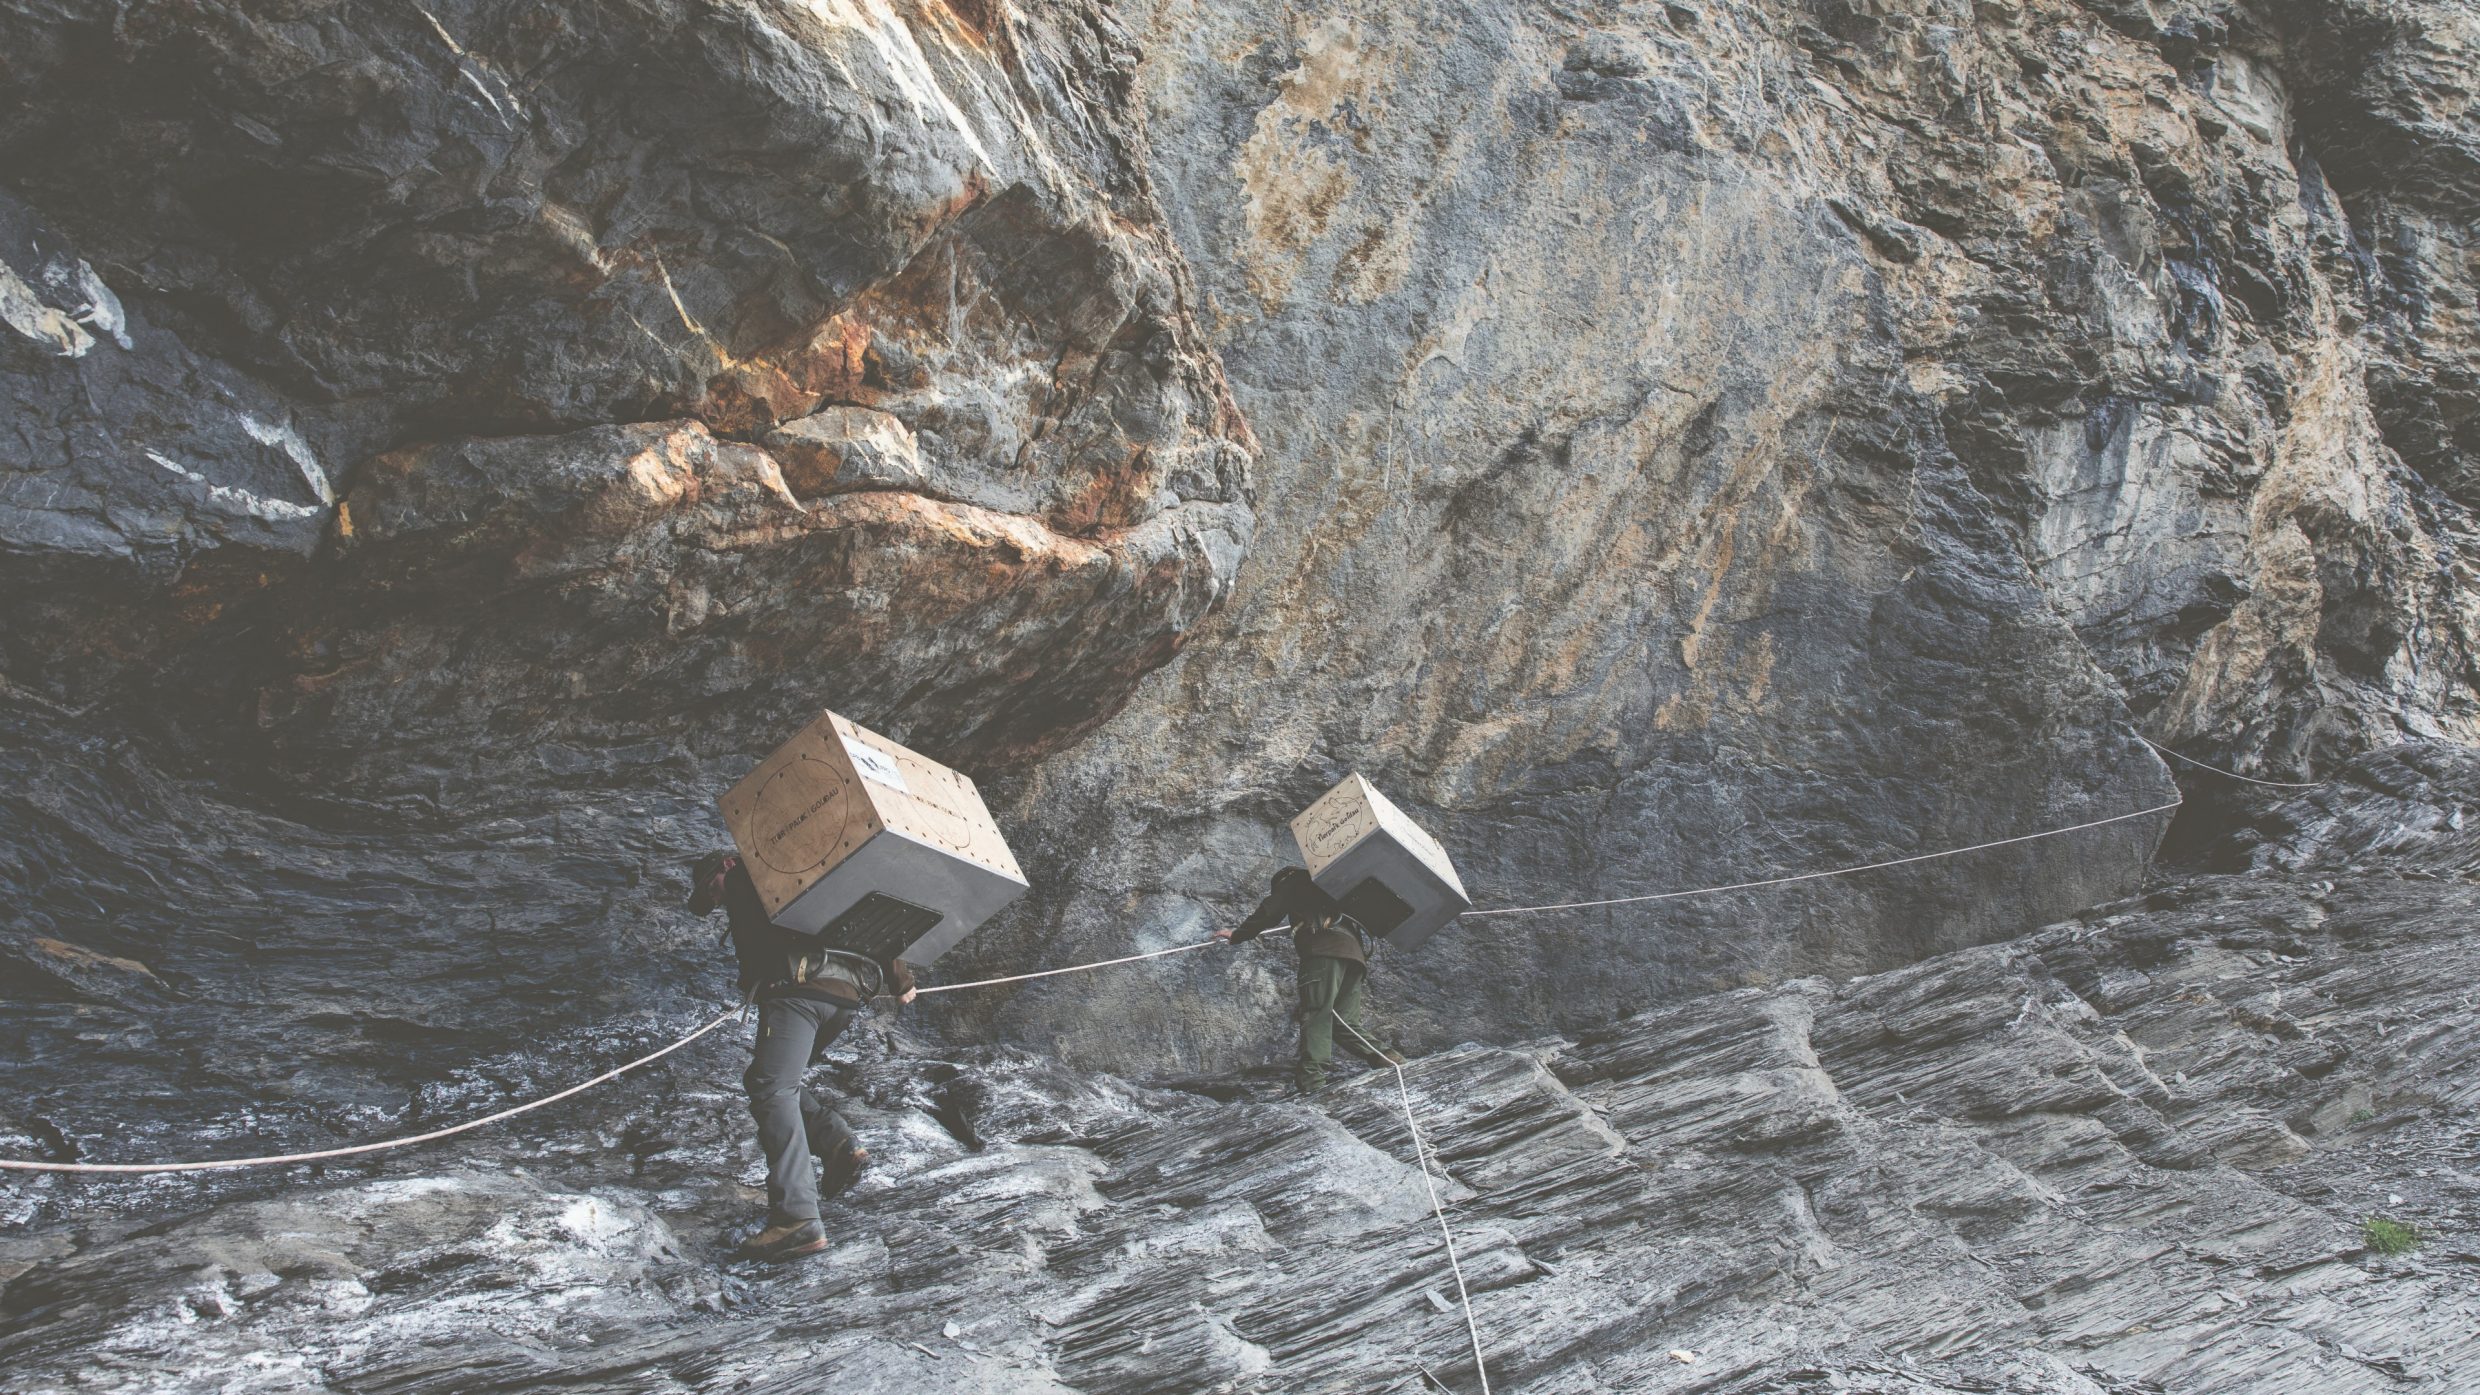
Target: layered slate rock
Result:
[1709, 441]
[1699, 444]
[2131, 1153]
[396, 388]
[1694, 442]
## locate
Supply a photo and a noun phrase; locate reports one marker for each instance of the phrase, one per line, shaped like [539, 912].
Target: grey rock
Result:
[1663, 446]
[1701, 448]
[842, 448]
[2130, 1153]
[264, 266]
[1694, 444]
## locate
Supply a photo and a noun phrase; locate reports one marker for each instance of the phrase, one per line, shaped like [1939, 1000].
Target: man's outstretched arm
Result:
[1268, 915]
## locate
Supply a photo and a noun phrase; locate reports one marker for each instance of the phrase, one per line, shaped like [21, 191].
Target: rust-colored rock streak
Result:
[843, 361]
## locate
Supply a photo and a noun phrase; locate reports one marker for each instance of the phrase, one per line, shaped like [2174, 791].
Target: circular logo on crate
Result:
[939, 823]
[799, 816]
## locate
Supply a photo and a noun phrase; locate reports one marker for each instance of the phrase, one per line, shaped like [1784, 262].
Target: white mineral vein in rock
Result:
[24, 311]
[241, 500]
[91, 303]
[893, 40]
[283, 437]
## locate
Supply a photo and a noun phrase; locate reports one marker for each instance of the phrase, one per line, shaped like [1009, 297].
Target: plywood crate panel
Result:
[845, 831]
[1387, 870]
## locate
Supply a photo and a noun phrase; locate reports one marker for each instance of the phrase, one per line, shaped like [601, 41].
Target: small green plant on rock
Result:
[2362, 1116]
[2389, 1237]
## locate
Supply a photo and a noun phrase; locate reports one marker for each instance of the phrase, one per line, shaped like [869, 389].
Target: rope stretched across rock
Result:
[1437, 1208]
[325, 1154]
[1071, 969]
[354, 1150]
[322, 1155]
[1829, 872]
[2233, 774]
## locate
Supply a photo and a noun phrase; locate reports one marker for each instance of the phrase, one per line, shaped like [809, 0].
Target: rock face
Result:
[1705, 441]
[1692, 443]
[451, 380]
[1661, 445]
[2132, 1153]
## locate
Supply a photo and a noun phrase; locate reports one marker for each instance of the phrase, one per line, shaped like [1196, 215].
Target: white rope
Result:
[22, 1165]
[1437, 1208]
[1420, 1146]
[1830, 872]
[2233, 774]
[28, 1165]
[1071, 969]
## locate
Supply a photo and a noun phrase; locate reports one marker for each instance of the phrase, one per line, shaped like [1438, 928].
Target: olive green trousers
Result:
[1330, 988]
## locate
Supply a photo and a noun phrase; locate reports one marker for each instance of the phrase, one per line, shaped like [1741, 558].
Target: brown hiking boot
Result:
[843, 1170]
[1395, 1058]
[781, 1242]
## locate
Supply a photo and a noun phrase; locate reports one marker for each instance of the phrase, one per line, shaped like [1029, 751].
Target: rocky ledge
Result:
[2136, 1152]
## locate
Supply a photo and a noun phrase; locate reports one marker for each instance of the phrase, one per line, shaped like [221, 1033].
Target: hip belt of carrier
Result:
[1340, 921]
[835, 966]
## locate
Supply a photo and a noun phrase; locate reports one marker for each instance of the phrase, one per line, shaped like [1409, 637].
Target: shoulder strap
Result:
[731, 864]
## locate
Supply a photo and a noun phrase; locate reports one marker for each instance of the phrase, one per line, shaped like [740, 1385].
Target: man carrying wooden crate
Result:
[1334, 967]
[806, 996]
[855, 859]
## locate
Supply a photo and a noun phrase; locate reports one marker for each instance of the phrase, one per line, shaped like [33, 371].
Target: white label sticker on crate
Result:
[1329, 828]
[875, 764]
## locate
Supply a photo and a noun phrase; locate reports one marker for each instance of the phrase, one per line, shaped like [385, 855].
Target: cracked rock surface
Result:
[397, 389]
[2128, 1153]
[444, 444]
[1704, 441]
[1660, 445]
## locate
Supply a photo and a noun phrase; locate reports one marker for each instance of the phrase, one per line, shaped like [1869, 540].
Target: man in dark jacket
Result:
[1334, 966]
[806, 995]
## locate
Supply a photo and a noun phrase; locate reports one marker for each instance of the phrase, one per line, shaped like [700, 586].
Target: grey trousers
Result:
[794, 1125]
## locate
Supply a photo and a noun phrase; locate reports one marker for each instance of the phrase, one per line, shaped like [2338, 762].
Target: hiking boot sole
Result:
[809, 1247]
